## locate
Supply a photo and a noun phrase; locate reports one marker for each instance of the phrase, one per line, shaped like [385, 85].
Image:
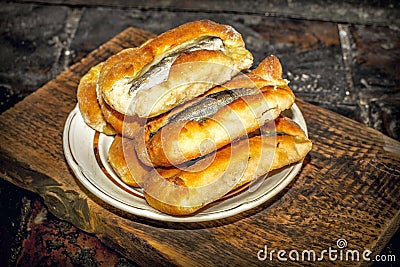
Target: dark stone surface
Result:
[378, 12]
[346, 64]
[10, 208]
[376, 69]
[31, 40]
[311, 56]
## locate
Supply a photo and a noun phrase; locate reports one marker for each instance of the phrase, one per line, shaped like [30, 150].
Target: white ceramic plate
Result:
[86, 153]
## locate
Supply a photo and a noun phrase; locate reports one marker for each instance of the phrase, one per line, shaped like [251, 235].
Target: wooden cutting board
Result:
[348, 188]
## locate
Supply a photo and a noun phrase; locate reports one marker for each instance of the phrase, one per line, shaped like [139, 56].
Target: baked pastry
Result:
[172, 68]
[100, 116]
[88, 105]
[128, 126]
[185, 190]
[222, 115]
[122, 158]
[183, 137]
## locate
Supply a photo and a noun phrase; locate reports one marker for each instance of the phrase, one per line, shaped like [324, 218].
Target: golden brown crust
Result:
[97, 114]
[191, 188]
[178, 142]
[185, 191]
[191, 76]
[290, 141]
[122, 158]
[269, 69]
[87, 102]
[268, 73]
[181, 141]
[130, 63]
[128, 126]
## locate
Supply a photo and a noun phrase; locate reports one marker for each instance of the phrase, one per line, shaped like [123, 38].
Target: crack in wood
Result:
[345, 42]
[64, 53]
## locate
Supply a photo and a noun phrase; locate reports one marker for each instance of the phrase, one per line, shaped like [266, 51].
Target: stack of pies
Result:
[192, 119]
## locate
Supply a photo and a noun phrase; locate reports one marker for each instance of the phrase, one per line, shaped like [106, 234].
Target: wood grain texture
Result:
[348, 187]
